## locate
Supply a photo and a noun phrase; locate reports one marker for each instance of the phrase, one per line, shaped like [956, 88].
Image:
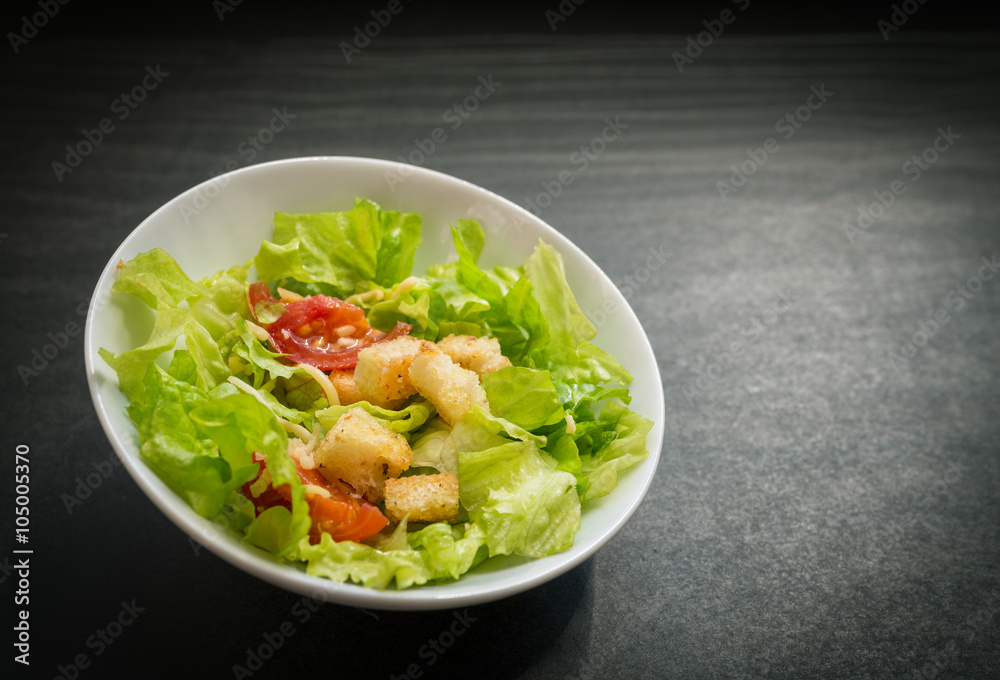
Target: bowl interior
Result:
[221, 223]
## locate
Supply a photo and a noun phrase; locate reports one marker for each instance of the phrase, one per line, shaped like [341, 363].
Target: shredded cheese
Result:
[570, 424]
[260, 486]
[306, 461]
[404, 285]
[293, 428]
[313, 490]
[239, 384]
[324, 381]
[257, 331]
[287, 295]
[367, 295]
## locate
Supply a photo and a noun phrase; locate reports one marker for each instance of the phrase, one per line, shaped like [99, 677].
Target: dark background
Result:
[252, 20]
[818, 510]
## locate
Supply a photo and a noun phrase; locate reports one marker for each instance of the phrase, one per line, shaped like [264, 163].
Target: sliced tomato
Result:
[342, 515]
[268, 498]
[320, 330]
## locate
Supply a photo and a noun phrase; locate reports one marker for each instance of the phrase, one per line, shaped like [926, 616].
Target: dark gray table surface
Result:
[828, 498]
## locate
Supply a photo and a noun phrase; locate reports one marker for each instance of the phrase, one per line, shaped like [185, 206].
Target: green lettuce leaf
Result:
[204, 313]
[155, 278]
[433, 447]
[173, 446]
[600, 468]
[484, 421]
[342, 250]
[437, 552]
[514, 316]
[524, 396]
[403, 421]
[224, 301]
[517, 496]
[568, 355]
[131, 365]
[262, 363]
[555, 436]
[241, 426]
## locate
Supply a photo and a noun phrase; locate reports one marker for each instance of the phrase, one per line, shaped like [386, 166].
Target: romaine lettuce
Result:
[556, 435]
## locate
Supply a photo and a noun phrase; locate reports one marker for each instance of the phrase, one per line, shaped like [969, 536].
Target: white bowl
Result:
[221, 222]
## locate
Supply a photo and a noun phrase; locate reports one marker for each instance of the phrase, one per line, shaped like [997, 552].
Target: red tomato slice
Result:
[268, 498]
[343, 516]
[321, 330]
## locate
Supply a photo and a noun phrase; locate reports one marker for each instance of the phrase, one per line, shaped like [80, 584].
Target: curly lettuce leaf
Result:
[600, 468]
[341, 250]
[524, 504]
[203, 313]
[155, 278]
[438, 552]
[241, 426]
[403, 421]
[569, 355]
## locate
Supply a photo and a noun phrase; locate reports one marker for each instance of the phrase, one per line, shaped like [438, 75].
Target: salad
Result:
[377, 427]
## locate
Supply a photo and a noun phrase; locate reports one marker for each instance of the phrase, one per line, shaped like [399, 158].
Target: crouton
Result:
[382, 371]
[451, 388]
[423, 498]
[343, 381]
[362, 452]
[481, 355]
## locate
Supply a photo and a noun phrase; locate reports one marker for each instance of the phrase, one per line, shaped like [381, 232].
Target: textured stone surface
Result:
[819, 510]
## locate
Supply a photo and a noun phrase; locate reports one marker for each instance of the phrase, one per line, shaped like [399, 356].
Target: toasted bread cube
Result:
[423, 498]
[452, 389]
[382, 373]
[362, 452]
[343, 381]
[481, 355]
